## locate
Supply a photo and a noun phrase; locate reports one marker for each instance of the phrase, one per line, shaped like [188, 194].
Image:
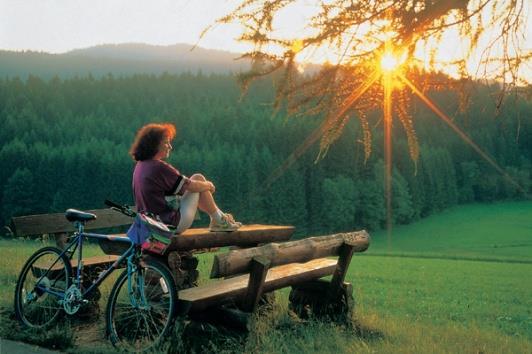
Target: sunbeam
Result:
[460, 133]
[387, 85]
[316, 134]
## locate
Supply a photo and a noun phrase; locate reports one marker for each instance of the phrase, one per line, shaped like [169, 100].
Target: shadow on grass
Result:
[199, 337]
[351, 328]
[366, 333]
[59, 337]
[266, 331]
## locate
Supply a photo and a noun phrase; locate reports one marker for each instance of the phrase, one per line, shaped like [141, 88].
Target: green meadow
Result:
[455, 282]
[499, 231]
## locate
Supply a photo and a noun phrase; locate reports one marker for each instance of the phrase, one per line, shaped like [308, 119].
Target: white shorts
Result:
[188, 207]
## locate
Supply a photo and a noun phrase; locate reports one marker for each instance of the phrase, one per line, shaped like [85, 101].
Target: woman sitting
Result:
[160, 189]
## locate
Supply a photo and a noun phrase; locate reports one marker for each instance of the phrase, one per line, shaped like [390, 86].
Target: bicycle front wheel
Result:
[141, 310]
[40, 287]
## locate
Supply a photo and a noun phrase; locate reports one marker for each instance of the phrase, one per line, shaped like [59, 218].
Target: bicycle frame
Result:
[77, 242]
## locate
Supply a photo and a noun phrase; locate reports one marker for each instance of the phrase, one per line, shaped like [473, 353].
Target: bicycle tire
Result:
[34, 307]
[134, 328]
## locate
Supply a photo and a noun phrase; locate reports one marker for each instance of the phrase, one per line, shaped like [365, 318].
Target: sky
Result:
[58, 26]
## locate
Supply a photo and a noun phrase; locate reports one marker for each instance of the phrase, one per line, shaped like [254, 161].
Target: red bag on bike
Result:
[152, 234]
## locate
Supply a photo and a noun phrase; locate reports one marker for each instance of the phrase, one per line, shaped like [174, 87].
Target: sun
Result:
[391, 62]
[388, 62]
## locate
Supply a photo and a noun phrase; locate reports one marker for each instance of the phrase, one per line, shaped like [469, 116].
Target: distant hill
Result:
[120, 60]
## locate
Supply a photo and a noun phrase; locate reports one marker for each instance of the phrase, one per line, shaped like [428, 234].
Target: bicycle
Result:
[142, 303]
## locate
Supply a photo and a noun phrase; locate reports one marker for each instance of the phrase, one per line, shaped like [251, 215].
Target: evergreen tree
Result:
[18, 195]
[339, 203]
[68, 140]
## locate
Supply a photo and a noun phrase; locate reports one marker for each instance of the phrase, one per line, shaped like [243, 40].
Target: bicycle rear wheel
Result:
[40, 286]
[139, 316]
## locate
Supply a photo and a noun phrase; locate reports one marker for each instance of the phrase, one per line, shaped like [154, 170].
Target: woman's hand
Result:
[201, 186]
[210, 187]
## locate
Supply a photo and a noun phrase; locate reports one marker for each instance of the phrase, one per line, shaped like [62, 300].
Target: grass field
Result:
[499, 231]
[457, 282]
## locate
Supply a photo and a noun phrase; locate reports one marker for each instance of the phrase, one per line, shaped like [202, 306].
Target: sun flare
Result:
[388, 62]
[391, 62]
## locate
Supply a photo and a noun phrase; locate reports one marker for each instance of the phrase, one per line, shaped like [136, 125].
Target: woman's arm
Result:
[200, 186]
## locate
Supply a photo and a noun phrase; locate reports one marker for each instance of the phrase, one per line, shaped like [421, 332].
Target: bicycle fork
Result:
[137, 295]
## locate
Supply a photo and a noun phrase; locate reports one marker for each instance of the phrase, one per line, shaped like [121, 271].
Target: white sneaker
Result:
[227, 224]
[232, 219]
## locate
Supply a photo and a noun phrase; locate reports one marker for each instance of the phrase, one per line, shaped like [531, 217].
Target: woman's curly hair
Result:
[149, 139]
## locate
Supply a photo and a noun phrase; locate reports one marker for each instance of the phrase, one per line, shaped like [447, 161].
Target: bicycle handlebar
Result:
[124, 209]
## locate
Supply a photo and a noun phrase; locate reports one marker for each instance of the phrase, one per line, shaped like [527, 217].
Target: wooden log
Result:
[247, 235]
[238, 261]
[56, 223]
[259, 269]
[174, 263]
[228, 290]
[202, 238]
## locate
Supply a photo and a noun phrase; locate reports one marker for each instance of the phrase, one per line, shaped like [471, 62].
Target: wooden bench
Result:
[254, 271]
[249, 272]
[180, 257]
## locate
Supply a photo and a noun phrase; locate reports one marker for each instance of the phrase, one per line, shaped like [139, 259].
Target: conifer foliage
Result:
[64, 144]
[355, 35]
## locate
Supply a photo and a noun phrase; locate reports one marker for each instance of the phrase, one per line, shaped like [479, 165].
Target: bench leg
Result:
[182, 266]
[259, 269]
[344, 258]
[314, 299]
[61, 240]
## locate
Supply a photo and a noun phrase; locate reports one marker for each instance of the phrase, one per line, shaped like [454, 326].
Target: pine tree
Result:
[18, 195]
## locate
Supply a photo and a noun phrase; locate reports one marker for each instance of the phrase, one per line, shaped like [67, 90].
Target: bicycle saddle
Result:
[76, 215]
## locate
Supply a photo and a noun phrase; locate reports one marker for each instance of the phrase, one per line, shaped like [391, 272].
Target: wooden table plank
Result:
[222, 291]
[202, 238]
[90, 261]
[247, 235]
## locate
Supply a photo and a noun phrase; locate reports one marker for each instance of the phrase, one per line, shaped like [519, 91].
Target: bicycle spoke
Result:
[147, 326]
[155, 325]
[45, 271]
[152, 318]
[48, 307]
[122, 318]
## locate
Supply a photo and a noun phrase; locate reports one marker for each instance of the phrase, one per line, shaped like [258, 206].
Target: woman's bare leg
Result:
[206, 200]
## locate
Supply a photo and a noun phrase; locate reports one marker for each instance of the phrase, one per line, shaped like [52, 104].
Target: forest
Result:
[64, 144]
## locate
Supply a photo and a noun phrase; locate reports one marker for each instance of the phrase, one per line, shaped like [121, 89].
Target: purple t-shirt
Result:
[153, 180]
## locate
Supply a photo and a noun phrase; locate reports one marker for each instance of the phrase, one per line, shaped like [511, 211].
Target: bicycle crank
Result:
[73, 300]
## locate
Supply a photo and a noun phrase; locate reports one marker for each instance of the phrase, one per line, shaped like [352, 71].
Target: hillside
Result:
[120, 60]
